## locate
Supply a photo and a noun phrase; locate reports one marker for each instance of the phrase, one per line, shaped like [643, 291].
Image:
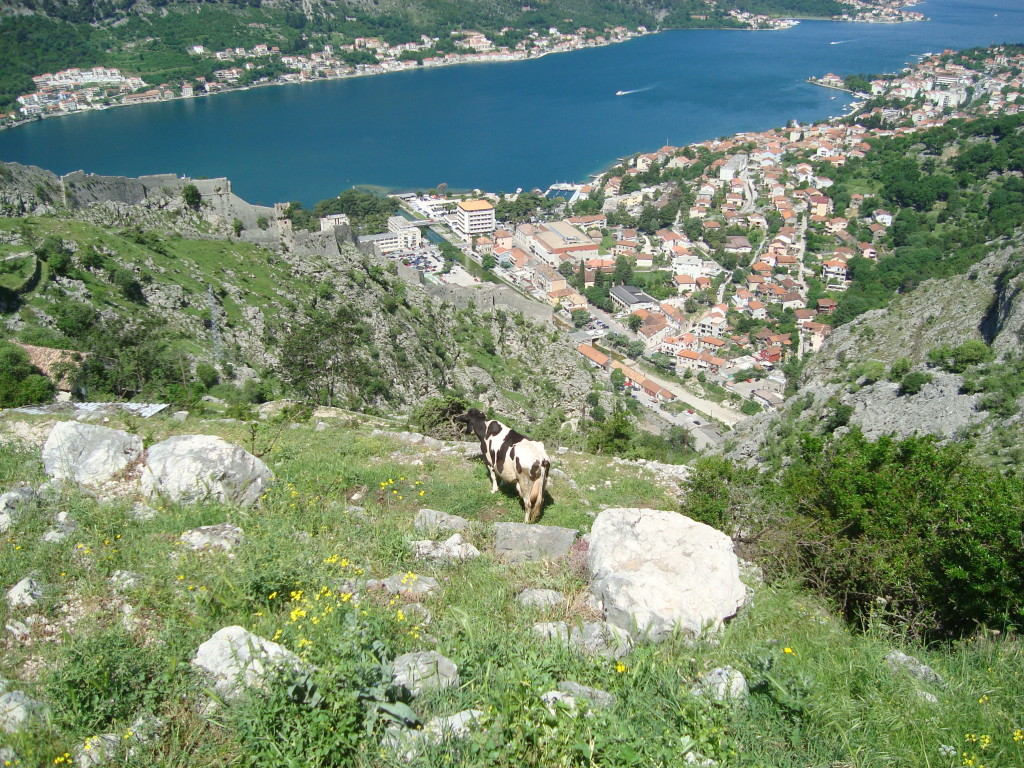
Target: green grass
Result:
[830, 699]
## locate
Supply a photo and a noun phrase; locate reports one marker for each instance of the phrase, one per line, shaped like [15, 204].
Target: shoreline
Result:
[511, 58]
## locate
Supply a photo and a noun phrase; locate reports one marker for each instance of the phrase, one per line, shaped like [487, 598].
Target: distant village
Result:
[757, 258]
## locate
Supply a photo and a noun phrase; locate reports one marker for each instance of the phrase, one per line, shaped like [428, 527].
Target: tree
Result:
[237, 226]
[191, 196]
[21, 383]
[322, 356]
[488, 262]
[634, 322]
[580, 317]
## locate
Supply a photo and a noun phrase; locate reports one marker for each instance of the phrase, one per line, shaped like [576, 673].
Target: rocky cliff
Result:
[852, 381]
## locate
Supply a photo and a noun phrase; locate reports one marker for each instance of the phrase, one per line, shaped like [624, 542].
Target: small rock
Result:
[521, 542]
[14, 504]
[66, 525]
[321, 426]
[552, 699]
[410, 583]
[179, 416]
[25, 594]
[722, 684]
[540, 598]
[418, 613]
[98, 750]
[19, 711]
[224, 537]
[929, 698]
[409, 742]
[432, 520]
[19, 630]
[913, 667]
[234, 659]
[142, 512]
[560, 476]
[125, 581]
[597, 698]
[424, 670]
[561, 450]
[594, 638]
[452, 549]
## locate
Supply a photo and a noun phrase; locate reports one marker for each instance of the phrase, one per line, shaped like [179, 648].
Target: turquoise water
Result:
[501, 126]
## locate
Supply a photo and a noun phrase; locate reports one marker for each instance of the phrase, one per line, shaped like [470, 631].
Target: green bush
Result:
[914, 382]
[21, 383]
[958, 359]
[910, 524]
[433, 416]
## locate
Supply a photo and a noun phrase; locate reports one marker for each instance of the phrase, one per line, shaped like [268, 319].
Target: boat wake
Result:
[635, 90]
[840, 42]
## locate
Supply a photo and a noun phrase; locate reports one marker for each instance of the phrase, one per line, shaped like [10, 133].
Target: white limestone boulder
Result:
[89, 454]
[654, 571]
[234, 659]
[194, 468]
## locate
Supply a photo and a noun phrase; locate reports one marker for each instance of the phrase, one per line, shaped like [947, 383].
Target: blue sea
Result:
[502, 126]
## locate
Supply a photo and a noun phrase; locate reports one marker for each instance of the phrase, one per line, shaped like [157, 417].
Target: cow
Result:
[513, 458]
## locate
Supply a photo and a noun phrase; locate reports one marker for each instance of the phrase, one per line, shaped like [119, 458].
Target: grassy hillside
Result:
[820, 694]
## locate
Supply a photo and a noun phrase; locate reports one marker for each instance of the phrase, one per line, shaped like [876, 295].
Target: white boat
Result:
[621, 93]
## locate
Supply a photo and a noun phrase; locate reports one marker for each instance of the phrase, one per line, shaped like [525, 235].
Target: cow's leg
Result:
[494, 478]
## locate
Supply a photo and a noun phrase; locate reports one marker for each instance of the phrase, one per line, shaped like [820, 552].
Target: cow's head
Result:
[472, 421]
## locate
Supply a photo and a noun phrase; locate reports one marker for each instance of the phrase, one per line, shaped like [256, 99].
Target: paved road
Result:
[713, 409]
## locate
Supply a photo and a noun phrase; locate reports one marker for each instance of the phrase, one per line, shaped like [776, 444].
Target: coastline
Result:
[509, 57]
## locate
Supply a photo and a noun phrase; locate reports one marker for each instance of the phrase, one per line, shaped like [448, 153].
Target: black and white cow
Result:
[511, 457]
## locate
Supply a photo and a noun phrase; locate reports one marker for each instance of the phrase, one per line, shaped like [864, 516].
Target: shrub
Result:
[207, 375]
[914, 382]
[910, 524]
[21, 383]
[750, 408]
[959, 359]
[433, 416]
[899, 368]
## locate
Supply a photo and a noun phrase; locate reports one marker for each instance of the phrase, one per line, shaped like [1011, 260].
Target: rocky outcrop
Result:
[89, 454]
[654, 572]
[192, 468]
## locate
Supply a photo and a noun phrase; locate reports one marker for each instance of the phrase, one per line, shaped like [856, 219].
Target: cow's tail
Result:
[538, 478]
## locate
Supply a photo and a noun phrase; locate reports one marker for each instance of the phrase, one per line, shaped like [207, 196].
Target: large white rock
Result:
[655, 571]
[192, 468]
[235, 658]
[88, 454]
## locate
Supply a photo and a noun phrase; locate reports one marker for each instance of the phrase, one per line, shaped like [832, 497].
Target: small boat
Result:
[621, 93]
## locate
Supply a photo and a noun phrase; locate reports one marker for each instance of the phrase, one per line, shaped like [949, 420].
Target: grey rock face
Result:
[722, 684]
[657, 571]
[193, 468]
[434, 521]
[234, 659]
[520, 542]
[213, 538]
[424, 670]
[25, 594]
[898, 660]
[540, 598]
[451, 550]
[938, 409]
[89, 454]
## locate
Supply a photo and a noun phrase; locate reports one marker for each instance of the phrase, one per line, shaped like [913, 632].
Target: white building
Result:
[474, 217]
